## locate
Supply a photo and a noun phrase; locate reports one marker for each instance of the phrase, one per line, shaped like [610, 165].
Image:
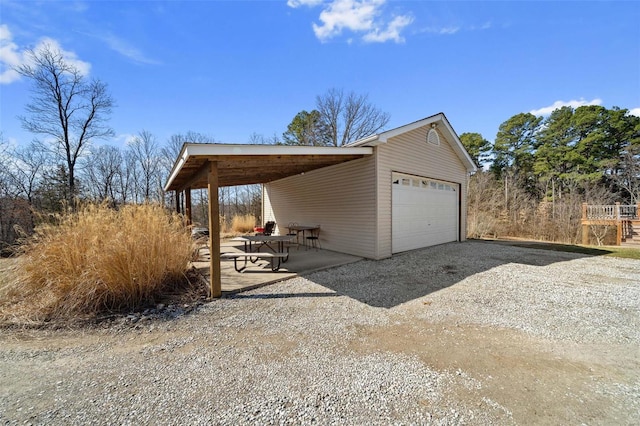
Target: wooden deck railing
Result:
[619, 215]
[610, 212]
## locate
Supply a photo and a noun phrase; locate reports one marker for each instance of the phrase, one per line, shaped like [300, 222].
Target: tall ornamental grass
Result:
[243, 224]
[97, 260]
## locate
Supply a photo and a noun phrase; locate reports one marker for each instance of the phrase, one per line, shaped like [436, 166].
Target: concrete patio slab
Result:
[301, 261]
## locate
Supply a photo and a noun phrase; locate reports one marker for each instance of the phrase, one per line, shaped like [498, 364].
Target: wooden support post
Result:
[214, 230]
[178, 202]
[187, 207]
[585, 227]
[618, 225]
[585, 234]
[618, 233]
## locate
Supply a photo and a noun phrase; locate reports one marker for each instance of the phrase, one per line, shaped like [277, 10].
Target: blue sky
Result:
[232, 68]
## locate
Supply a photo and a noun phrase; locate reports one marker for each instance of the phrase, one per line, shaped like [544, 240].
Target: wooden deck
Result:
[625, 218]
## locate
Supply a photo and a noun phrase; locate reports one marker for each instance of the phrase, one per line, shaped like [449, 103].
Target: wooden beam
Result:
[214, 230]
[201, 174]
[187, 205]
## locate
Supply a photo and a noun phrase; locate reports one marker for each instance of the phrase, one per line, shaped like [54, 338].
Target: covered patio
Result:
[212, 166]
[301, 262]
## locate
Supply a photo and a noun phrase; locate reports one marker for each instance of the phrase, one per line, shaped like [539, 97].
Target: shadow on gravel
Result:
[280, 295]
[591, 251]
[407, 276]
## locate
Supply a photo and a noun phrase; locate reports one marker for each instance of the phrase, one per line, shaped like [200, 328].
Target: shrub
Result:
[243, 224]
[97, 260]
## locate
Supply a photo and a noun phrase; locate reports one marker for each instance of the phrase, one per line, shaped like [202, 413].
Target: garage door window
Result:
[428, 184]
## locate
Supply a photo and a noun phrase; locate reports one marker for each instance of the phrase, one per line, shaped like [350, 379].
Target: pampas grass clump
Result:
[243, 224]
[97, 260]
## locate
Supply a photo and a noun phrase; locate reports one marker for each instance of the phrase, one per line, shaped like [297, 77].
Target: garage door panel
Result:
[424, 213]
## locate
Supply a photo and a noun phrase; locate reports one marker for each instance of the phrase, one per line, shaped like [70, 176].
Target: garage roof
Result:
[248, 164]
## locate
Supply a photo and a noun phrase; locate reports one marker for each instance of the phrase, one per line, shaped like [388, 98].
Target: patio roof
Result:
[249, 164]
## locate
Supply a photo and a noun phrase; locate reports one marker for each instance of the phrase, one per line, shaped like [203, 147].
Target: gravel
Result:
[316, 349]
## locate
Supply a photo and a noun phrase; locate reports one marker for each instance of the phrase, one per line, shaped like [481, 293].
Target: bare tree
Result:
[174, 144]
[349, 117]
[260, 139]
[29, 166]
[7, 194]
[5, 176]
[147, 156]
[483, 205]
[64, 106]
[171, 150]
[104, 173]
[125, 183]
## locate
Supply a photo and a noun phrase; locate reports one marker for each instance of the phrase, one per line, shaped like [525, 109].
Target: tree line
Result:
[538, 171]
[34, 182]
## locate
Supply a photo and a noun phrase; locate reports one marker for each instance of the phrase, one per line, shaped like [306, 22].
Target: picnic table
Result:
[253, 243]
[296, 229]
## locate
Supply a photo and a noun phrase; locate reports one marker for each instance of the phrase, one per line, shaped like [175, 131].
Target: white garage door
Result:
[424, 212]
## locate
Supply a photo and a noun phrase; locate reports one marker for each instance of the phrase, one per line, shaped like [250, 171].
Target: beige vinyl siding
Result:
[340, 198]
[411, 154]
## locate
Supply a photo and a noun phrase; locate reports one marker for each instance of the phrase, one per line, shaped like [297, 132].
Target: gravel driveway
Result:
[462, 333]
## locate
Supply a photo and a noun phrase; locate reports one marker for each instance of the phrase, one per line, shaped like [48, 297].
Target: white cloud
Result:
[442, 30]
[392, 32]
[298, 3]
[454, 29]
[125, 49]
[559, 104]
[125, 138]
[9, 56]
[12, 56]
[485, 26]
[122, 47]
[350, 14]
[635, 111]
[358, 16]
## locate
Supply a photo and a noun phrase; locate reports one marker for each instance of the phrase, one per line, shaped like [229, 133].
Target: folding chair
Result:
[268, 228]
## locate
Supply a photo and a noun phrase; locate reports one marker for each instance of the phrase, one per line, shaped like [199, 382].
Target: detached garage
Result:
[410, 193]
[399, 190]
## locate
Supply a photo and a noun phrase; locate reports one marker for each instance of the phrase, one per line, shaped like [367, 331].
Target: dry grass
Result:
[94, 261]
[243, 224]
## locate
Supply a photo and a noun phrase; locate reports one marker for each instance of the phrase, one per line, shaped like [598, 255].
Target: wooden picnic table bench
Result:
[258, 255]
